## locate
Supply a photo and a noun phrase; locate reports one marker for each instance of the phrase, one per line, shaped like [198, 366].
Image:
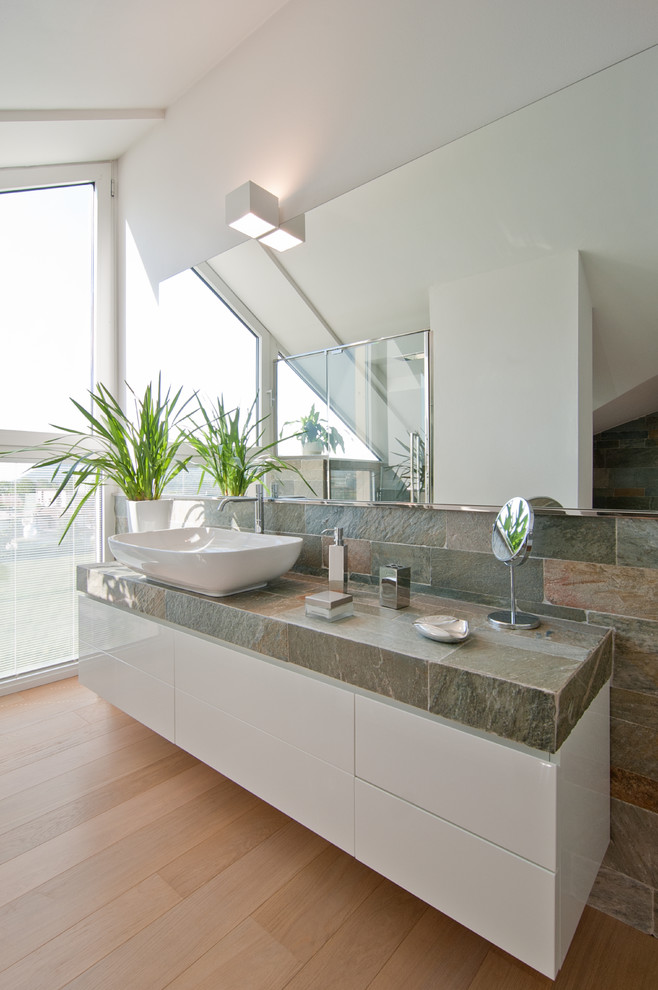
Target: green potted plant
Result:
[230, 451]
[315, 436]
[139, 457]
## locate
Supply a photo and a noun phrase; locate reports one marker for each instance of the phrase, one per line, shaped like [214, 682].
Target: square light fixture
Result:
[252, 210]
[287, 235]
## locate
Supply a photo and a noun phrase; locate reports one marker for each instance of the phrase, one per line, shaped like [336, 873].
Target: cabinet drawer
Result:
[502, 897]
[497, 792]
[288, 704]
[312, 792]
[141, 696]
[138, 641]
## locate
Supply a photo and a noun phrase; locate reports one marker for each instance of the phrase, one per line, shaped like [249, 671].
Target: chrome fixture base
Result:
[513, 620]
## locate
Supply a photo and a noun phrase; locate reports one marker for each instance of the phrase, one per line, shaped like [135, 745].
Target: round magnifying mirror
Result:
[511, 542]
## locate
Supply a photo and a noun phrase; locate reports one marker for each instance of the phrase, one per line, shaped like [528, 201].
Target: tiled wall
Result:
[626, 466]
[602, 570]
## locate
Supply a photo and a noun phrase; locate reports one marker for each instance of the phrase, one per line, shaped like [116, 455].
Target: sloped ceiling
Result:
[82, 80]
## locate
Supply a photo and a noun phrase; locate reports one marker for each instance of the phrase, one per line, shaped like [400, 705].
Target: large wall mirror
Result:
[571, 177]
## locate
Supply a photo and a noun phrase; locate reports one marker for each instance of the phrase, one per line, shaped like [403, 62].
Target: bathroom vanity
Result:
[475, 775]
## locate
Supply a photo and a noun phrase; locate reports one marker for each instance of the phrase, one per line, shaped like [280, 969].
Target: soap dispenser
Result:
[337, 561]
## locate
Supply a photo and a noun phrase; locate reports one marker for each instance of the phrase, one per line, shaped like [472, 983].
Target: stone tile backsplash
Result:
[602, 570]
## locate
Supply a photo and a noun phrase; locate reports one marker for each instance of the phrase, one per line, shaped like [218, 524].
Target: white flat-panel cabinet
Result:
[313, 792]
[300, 709]
[495, 791]
[502, 897]
[504, 839]
[133, 667]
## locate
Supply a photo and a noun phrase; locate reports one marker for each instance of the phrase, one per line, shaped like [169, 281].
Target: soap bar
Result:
[329, 605]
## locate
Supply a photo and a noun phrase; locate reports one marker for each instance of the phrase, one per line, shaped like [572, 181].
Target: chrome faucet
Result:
[258, 506]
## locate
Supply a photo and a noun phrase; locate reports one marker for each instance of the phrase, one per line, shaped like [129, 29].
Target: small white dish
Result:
[443, 628]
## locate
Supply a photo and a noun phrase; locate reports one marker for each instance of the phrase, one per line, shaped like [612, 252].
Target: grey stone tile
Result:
[310, 558]
[574, 538]
[636, 651]
[385, 672]
[234, 515]
[637, 542]
[416, 558]
[624, 591]
[470, 531]
[415, 525]
[482, 574]
[233, 625]
[634, 748]
[582, 689]
[633, 848]
[634, 706]
[623, 898]
[121, 586]
[494, 705]
[285, 517]
[642, 457]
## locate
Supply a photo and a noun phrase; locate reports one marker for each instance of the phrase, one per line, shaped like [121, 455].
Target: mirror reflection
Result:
[530, 249]
[512, 532]
[364, 408]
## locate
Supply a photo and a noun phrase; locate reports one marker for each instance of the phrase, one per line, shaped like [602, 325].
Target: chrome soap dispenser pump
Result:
[337, 559]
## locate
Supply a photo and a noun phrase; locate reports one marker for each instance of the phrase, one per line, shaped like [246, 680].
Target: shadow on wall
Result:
[626, 466]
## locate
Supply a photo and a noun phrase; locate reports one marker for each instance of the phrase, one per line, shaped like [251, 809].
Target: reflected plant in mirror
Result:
[317, 438]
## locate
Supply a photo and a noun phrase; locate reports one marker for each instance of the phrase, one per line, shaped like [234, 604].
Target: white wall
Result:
[512, 376]
[328, 95]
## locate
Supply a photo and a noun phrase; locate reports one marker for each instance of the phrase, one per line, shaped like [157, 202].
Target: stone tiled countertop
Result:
[527, 686]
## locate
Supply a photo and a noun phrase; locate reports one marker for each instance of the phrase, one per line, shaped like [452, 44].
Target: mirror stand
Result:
[512, 619]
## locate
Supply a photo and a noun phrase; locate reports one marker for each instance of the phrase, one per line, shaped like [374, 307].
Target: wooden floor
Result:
[126, 864]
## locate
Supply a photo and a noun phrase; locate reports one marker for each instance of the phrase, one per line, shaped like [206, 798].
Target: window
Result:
[55, 320]
[198, 342]
[46, 303]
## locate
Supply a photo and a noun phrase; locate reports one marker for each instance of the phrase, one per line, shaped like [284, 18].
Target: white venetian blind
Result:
[38, 600]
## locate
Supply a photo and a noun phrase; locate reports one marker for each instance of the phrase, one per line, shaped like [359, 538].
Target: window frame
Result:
[104, 336]
[267, 347]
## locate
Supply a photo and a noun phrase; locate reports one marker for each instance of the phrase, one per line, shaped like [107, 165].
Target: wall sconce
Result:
[252, 210]
[255, 212]
[287, 235]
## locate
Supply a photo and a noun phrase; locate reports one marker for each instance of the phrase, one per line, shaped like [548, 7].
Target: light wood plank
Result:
[67, 955]
[193, 869]
[56, 734]
[29, 921]
[14, 781]
[248, 949]
[608, 955]
[38, 831]
[352, 957]
[36, 702]
[40, 704]
[438, 952]
[152, 959]
[41, 864]
[89, 778]
[316, 902]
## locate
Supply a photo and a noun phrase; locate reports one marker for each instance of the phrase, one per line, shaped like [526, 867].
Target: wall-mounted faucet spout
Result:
[257, 499]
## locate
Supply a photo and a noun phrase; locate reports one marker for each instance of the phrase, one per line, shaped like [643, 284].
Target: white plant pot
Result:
[312, 447]
[147, 516]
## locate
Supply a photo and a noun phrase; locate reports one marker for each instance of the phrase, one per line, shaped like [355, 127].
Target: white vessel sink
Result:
[215, 562]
